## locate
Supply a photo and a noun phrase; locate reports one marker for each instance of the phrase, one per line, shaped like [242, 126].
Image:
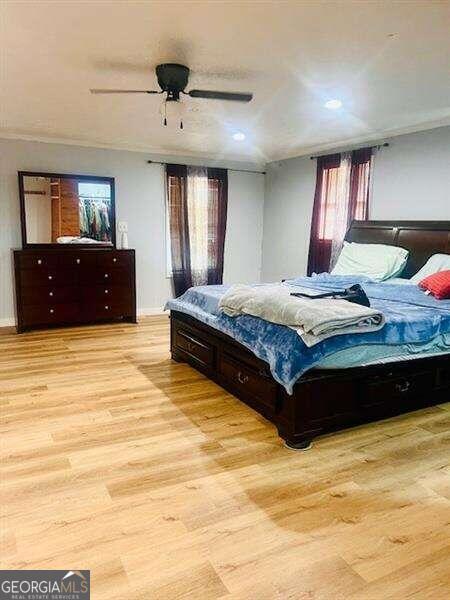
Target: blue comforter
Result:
[411, 317]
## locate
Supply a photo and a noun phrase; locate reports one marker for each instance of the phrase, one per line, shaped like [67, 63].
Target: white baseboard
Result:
[7, 322]
[147, 312]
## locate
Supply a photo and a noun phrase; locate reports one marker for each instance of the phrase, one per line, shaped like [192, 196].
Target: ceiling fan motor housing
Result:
[173, 79]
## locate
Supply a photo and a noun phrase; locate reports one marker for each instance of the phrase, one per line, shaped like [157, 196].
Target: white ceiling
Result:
[388, 61]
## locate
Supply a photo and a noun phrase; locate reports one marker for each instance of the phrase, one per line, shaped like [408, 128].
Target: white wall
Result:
[411, 180]
[243, 242]
[140, 202]
[412, 177]
[287, 217]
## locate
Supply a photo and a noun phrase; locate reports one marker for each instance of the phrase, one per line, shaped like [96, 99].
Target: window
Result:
[342, 194]
[328, 202]
[196, 217]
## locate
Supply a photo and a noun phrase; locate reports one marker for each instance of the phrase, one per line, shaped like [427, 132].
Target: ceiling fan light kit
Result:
[173, 80]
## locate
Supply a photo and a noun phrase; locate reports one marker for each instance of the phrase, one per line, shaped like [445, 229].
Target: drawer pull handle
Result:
[50, 277]
[78, 261]
[50, 293]
[107, 307]
[403, 387]
[39, 262]
[242, 378]
[52, 311]
[191, 346]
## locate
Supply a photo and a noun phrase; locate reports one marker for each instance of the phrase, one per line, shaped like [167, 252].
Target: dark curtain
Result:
[212, 218]
[217, 223]
[354, 206]
[176, 184]
[319, 246]
[360, 184]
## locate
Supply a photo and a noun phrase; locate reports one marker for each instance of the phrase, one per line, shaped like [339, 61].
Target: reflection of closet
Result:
[65, 209]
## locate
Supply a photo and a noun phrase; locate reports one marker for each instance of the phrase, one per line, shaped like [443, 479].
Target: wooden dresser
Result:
[69, 286]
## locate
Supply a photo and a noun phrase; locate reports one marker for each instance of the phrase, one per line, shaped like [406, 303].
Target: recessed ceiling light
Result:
[239, 136]
[333, 104]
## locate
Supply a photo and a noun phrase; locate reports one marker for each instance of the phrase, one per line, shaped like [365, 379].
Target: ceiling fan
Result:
[173, 79]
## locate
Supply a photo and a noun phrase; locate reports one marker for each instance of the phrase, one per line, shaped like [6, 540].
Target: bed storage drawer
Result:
[443, 377]
[247, 381]
[397, 386]
[201, 351]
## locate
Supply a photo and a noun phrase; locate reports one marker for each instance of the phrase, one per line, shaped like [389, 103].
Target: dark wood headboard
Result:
[421, 238]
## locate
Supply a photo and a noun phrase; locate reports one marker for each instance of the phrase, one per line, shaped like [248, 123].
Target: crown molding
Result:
[379, 137]
[226, 161]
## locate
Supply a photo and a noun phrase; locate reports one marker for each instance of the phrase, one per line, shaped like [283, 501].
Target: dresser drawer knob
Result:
[242, 378]
[106, 307]
[114, 259]
[50, 293]
[78, 261]
[50, 276]
[39, 262]
[52, 311]
[106, 291]
[106, 275]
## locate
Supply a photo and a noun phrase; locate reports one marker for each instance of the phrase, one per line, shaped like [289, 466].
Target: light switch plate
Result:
[122, 226]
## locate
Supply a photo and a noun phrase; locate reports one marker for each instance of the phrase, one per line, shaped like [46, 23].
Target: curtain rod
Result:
[378, 146]
[157, 162]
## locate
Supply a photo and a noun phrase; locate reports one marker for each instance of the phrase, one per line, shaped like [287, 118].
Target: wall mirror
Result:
[61, 209]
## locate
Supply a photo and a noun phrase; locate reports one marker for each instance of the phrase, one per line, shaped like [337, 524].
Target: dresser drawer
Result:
[39, 261]
[47, 295]
[198, 349]
[247, 381]
[52, 313]
[98, 276]
[103, 293]
[77, 260]
[47, 277]
[113, 259]
[107, 309]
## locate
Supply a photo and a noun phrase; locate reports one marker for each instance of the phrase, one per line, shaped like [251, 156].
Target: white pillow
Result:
[377, 261]
[436, 263]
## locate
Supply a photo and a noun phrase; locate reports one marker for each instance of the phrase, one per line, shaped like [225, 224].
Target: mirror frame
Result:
[26, 244]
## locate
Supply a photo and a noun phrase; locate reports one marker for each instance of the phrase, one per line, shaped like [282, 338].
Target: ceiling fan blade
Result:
[213, 95]
[97, 91]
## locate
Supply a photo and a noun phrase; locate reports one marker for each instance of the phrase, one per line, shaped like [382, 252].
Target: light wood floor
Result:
[117, 460]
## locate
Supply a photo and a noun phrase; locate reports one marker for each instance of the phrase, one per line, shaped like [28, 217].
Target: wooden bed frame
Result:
[326, 400]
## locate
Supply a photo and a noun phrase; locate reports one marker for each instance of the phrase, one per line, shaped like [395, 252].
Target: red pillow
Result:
[437, 284]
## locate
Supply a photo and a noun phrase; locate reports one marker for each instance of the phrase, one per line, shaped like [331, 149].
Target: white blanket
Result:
[314, 320]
